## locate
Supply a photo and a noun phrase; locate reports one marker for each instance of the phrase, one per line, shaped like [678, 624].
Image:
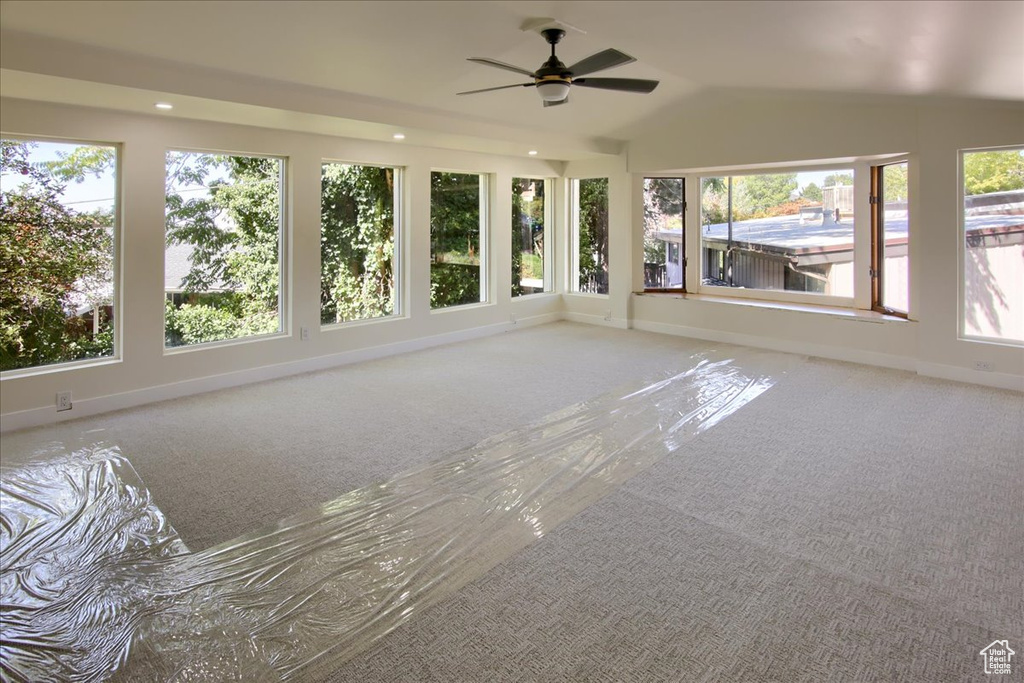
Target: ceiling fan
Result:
[553, 79]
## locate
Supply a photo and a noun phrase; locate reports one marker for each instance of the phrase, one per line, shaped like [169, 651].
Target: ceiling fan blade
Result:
[500, 87]
[556, 102]
[501, 65]
[605, 59]
[624, 84]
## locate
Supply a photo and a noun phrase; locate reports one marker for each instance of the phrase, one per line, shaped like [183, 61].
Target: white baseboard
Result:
[884, 360]
[36, 417]
[999, 380]
[590, 319]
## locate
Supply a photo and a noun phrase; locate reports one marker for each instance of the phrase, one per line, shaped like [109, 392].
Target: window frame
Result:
[877, 270]
[397, 238]
[573, 271]
[117, 261]
[283, 254]
[549, 216]
[683, 252]
[962, 334]
[859, 167]
[487, 187]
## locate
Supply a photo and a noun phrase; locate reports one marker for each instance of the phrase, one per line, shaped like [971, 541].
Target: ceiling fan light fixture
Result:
[553, 91]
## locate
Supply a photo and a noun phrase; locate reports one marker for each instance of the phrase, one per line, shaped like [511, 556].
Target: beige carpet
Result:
[851, 524]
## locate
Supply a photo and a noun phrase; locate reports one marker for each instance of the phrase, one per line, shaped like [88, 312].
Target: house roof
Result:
[369, 69]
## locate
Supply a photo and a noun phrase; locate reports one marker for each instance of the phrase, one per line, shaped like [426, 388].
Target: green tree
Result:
[755, 195]
[233, 232]
[593, 234]
[837, 179]
[894, 183]
[455, 239]
[356, 242]
[812, 192]
[996, 171]
[52, 260]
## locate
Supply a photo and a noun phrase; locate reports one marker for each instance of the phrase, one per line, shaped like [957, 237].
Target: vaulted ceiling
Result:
[369, 68]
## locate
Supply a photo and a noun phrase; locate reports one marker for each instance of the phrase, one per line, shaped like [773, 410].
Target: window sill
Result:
[816, 309]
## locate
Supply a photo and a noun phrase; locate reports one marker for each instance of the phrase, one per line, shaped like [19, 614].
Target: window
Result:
[789, 232]
[529, 237]
[664, 234]
[993, 224]
[222, 266]
[458, 204]
[357, 242]
[58, 235]
[890, 260]
[589, 253]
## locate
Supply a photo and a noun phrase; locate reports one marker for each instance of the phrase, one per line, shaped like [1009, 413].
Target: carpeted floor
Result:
[852, 523]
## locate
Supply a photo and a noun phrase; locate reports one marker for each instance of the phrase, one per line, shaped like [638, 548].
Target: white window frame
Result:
[573, 271]
[283, 257]
[549, 216]
[861, 238]
[398, 248]
[486, 185]
[117, 263]
[962, 254]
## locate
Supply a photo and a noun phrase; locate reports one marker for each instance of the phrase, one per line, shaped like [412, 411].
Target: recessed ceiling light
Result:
[399, 136]
[164, 105]
[532, 152]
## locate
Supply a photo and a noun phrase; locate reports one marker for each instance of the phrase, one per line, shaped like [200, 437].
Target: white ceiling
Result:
[401, 63]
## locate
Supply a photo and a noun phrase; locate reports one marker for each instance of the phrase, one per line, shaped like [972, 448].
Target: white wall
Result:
[733, 131]
[145, 372]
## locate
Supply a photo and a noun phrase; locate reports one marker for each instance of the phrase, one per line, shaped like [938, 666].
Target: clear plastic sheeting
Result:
[296, 600]
[77, 535]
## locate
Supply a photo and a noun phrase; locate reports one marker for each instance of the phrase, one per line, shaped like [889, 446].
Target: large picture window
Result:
[222, 265]
[589, 251]
[664, 234]
[458, 203]
[357, 242]
[529, 237]
[58, 230]
[791, 232]
[993, 239]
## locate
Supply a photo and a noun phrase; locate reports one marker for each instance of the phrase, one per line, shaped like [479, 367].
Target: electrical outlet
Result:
[514, 321]
[608, 316]
[63, 401]
[304, 333]
[984, 366]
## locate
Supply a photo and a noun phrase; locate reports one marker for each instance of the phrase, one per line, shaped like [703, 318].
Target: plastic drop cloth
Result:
[96, 585]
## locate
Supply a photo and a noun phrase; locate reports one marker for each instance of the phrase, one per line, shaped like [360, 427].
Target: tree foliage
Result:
[996, 171]
[455, 239]
[53, 261]
[356, 242]
[233, 232]
[754, 196]
[663, 209]
[593, 234]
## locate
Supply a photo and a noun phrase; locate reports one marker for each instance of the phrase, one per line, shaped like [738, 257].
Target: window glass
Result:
[779, 231]
[993, 221]
[222, 273]
[528, 236]
[58, 208]
[357, 242]
[457, 211]
[590, 235]
[894, 256]
[663, 233]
